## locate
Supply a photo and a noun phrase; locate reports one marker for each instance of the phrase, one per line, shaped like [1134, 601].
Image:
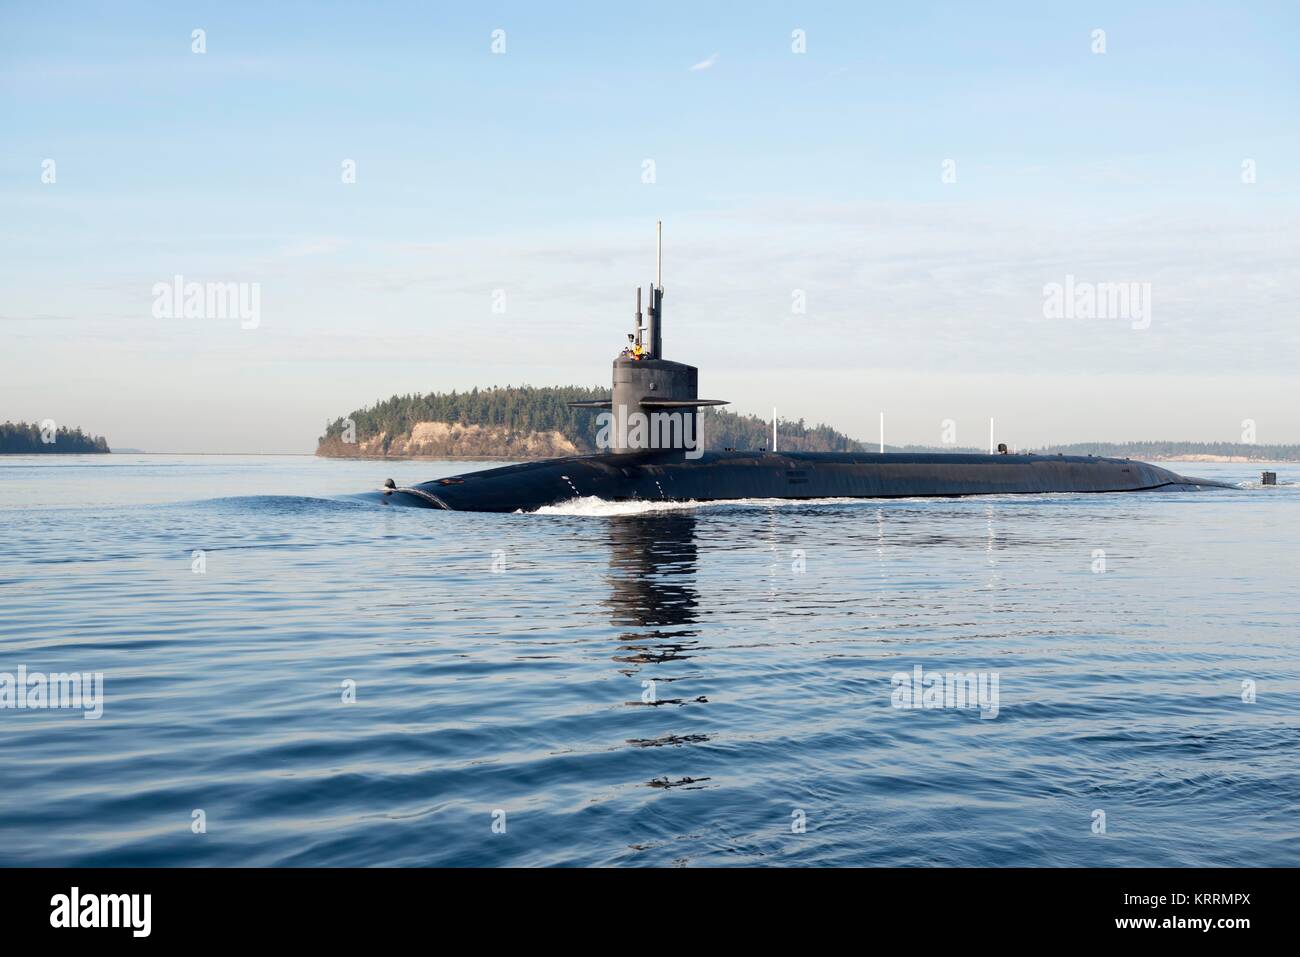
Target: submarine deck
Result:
[668, 475]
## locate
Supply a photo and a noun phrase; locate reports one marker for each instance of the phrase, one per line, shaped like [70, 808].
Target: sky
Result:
[864, 205]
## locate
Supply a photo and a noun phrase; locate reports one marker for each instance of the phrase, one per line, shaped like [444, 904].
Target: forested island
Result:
[527, 422]
[531, 422]
[19, 438]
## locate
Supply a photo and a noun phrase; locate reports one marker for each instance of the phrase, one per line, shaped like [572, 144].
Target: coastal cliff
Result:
[451, 440]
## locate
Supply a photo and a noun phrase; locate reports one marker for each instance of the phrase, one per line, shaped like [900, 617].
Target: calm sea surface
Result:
[702, 685]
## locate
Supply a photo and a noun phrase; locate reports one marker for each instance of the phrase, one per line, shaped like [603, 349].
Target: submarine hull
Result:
[669, 476]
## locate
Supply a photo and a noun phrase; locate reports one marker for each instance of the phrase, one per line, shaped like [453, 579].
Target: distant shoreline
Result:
[133, 452]
[1190, 457]
[1197, 457]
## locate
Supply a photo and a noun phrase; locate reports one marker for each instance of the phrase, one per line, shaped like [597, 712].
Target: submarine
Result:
[652, 451]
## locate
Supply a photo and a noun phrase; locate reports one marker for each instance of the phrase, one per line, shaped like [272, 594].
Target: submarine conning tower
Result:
[663, 393]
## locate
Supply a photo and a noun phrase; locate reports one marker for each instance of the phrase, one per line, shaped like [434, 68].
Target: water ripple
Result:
[338, 682]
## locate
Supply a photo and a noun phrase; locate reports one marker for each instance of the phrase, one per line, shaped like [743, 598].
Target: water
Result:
[520, 689]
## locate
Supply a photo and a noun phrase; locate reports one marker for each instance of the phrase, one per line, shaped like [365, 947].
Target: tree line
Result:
[22, 438]
[544, 409]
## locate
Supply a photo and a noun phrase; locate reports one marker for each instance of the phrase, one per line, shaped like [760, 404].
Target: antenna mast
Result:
[659, 254]
[637, 327]
[656, 323]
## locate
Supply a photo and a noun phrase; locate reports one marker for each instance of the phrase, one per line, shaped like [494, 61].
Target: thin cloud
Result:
[706, 64]
[312, 246]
